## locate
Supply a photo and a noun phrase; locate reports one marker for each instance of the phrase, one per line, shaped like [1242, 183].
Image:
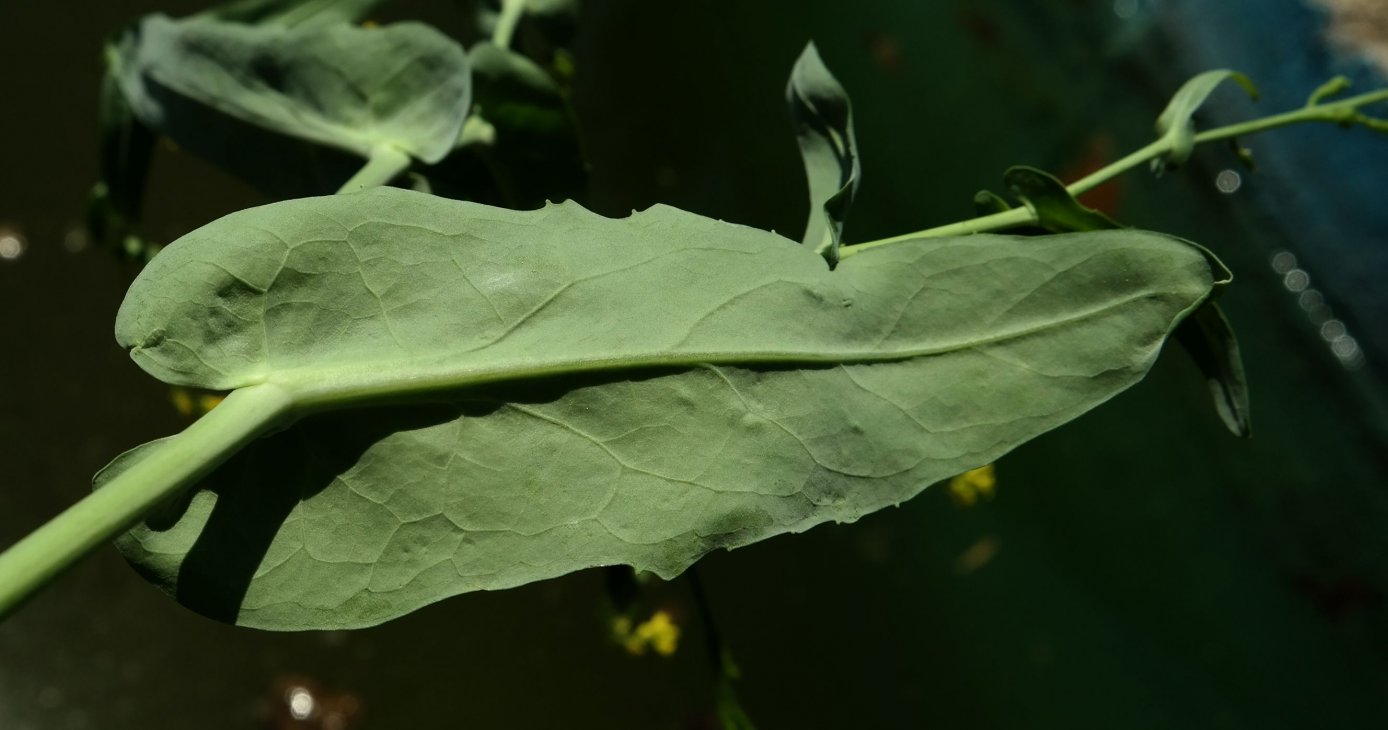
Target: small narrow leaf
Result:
[1055, 208]
[517, 395]
[1175, 123]
[1209, 339]
[823, 121]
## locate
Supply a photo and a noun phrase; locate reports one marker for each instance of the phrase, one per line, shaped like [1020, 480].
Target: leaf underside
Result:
[637, 391]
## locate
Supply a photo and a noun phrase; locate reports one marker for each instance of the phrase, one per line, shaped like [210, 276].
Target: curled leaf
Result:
[1209, 339]
[823, 121]
[1175, 123]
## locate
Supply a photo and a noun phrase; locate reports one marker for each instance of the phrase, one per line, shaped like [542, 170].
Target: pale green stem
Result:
[1345, 111]
[1110, 171]
[992, 222]
[385, 163]
[120, 503]
[506, 22]
[1338, 112]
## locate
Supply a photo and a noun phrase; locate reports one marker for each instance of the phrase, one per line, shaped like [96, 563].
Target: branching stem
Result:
[1344, 112]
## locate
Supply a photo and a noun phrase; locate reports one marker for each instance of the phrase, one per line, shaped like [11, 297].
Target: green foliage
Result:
[430, 396]
[635, 391]
[456, 397]
[987, 202]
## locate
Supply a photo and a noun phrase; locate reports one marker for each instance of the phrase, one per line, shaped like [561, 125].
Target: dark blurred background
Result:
[1137, 568]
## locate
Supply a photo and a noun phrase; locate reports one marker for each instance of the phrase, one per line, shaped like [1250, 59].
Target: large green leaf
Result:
[582, 391]
[823, 121]
[204, 81]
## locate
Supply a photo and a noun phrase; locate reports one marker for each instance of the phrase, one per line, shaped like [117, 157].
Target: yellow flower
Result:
[182, 400]
[659, 633]
[971, 486]
[192, 402]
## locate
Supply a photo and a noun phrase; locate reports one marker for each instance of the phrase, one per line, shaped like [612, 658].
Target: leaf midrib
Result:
[347, 384]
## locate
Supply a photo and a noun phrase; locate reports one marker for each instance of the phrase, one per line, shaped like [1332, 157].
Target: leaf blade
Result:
[913, 363]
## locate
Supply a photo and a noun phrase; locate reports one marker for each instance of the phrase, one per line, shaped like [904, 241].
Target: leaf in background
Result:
[1209, 339]
[553, 390]
[823, 120]
[1055, 208]
[1175, 122]
[226, 90]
